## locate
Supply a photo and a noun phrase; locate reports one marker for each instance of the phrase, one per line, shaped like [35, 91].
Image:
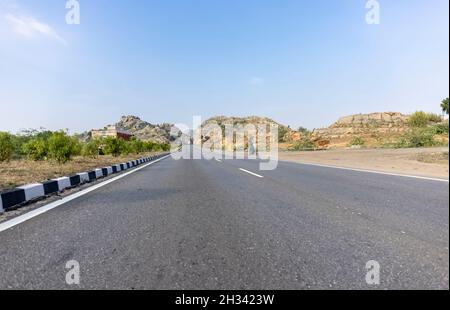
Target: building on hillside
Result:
[111, 131]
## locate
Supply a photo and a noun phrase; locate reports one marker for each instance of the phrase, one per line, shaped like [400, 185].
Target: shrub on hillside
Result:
[6, 146]
[440, 129]
[418, 119]
[421, 119]
[304, 131]
[282, 131]
[444, 105]
[418, 137]
[434, 118]
[357, 141]
[305, 144]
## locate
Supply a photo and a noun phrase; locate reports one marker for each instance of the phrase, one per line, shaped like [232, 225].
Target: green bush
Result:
[62, 148]
[137, 146]
[35, 144]
[112, 146]
[418, 119]
[440, 129]
[148, 146]
[91, 149]
[117, 147]
[45, 135]
[434, 118]
[305, 144]
[77, 146]
[421, 119]
[36, 149]
[282, 131]
[357, 141]
[444, 105]
[156, 147]
[418, 137]
[58, 146]
[18, 142]
[125, 147]
[6, 146]
[166, 147]
[304, 131]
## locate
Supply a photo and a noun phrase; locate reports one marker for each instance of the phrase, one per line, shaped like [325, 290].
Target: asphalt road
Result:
[197, 224]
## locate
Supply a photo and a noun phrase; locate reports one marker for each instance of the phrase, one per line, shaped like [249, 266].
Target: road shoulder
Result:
[427, 162]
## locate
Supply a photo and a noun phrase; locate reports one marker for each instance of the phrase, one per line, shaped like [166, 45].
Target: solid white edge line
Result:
[27, 216]
[252, 173]
[372, 171]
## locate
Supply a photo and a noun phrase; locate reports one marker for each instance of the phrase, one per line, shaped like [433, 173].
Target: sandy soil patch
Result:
[427, 162]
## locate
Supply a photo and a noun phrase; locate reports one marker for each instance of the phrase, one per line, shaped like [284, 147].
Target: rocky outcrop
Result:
[286, 134]
[144, 130]
[370, 127]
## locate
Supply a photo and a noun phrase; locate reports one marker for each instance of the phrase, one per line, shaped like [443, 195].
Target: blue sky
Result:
[302, 63]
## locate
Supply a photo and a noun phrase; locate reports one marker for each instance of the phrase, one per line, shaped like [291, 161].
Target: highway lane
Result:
[197, 224]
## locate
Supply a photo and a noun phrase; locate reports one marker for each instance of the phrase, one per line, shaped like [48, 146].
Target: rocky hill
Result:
[369, 130]
[369, 127]
[144, 130]
[285, 133]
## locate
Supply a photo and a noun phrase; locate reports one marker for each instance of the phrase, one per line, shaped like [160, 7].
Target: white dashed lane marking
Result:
[251, 173]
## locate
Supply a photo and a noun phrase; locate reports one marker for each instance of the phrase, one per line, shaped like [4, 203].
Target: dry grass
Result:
[433, 158]
[19, 172]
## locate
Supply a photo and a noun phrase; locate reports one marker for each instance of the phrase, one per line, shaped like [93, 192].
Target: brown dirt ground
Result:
[19, 172]
[427, 162]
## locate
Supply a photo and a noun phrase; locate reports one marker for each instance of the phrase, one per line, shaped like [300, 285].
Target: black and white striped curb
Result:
[13, 198]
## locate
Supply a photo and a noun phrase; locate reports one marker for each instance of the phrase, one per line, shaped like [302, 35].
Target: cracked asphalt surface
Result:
[198, 224]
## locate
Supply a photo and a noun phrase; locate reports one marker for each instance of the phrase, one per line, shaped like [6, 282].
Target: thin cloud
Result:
[31, 28]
